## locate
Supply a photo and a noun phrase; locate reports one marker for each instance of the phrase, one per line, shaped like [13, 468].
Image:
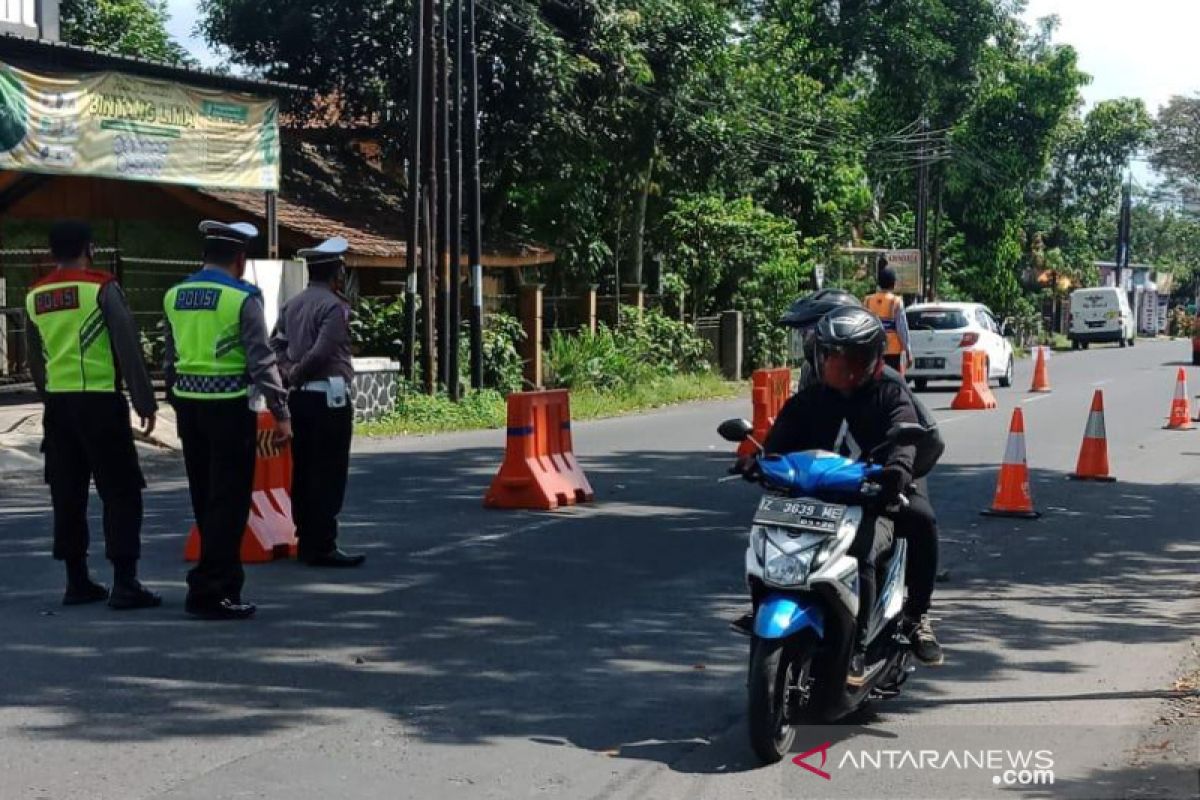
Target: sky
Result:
[1145, 48]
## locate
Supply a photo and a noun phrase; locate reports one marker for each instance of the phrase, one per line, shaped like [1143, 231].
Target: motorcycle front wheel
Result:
[779, 674]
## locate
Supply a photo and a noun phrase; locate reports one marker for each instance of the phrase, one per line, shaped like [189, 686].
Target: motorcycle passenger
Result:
[855, 388]
[803, 317]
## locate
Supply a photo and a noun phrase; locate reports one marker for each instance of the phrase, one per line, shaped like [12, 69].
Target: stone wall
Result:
[374, 389]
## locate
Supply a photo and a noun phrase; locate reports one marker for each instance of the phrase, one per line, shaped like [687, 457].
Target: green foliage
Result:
[1176, 150]
[503, 367]
[739, 144]
[735, 254]
[1180, 322]
[645, 347]
[420, 414]
[125, 27]
[377, 327]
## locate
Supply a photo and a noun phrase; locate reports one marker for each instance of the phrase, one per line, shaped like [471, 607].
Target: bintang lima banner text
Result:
[113, 125]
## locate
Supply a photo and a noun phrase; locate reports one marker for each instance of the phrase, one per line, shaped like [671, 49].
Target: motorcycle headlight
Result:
[789, 570]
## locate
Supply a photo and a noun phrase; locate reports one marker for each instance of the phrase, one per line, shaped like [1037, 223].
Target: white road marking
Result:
[1028, 400]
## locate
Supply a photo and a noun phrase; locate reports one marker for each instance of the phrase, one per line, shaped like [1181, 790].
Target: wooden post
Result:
[591, 311]
[637, 297]
[272, 225]
[531, 321]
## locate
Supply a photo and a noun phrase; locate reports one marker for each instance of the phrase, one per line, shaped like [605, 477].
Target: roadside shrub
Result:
[645, 347]
[503, 368]
[377, 327]
[670, 346]
[1180, 323]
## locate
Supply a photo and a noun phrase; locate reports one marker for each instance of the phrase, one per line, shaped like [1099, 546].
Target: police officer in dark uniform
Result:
[312, 344]
[82, 341]
[218, 364]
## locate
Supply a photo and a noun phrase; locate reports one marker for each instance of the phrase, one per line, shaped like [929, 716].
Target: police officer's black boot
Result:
[334, 558]
[128, 592]
[81, 589]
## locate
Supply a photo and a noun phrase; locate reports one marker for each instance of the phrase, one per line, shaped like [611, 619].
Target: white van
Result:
[1100, 315]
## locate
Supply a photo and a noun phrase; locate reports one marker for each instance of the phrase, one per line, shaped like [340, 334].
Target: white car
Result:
[938, 333]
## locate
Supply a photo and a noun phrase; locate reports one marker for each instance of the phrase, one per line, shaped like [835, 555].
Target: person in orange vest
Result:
[889, 307]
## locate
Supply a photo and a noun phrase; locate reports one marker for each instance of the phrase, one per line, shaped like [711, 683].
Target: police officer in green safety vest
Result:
[218, 365]
[82, 340]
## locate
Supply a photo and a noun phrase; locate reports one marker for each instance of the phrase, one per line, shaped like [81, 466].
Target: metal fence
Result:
[144, 281]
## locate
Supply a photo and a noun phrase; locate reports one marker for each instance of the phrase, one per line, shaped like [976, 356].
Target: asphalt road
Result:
[585, 654]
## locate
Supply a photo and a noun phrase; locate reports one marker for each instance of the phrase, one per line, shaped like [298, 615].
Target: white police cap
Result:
[238, 232]
[329, 250]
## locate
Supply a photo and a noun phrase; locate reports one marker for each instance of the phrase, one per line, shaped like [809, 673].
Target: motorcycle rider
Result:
[856, 396]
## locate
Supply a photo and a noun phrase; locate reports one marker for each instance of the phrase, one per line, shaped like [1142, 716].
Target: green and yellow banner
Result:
[113, 125]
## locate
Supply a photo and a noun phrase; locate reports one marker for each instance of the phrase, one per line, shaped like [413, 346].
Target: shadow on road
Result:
[602, 628]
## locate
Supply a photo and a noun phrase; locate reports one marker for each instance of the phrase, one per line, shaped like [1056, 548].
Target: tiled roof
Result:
[330, 188]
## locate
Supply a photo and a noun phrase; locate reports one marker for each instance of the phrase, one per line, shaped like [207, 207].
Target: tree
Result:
[125, 27]
[1176, 150]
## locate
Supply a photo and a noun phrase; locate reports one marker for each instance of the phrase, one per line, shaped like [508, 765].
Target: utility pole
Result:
[456, 208]
[474, 212]
[935, 254]
[415, 106]
[923, 208]
[1124, 230]
[443, 195]
[428, 306]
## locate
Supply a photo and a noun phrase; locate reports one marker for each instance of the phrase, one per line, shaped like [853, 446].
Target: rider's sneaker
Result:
[924, 644]
[856, 675]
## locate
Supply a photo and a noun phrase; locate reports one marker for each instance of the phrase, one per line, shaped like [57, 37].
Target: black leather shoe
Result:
[743, 625]
[220, 610]
[334, 558]
[126, 597]
[84, 593]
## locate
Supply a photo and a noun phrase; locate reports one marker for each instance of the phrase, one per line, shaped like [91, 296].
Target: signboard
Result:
[113, 125]
[907, 266]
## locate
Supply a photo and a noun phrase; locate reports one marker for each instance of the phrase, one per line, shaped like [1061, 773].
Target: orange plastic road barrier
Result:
[539, 469]
[1041, 377]
[769, 391]
[1012, 490]
[270, 533]
[1181, 416]
[975, 394]
[1093, 456]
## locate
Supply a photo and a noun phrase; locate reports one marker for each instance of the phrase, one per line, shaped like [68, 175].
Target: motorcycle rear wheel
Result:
[778, 670]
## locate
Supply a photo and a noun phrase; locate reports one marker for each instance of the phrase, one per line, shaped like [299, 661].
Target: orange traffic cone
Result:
[1181, 417]
[1012, 490]
[1093, 456]
[1041, 379]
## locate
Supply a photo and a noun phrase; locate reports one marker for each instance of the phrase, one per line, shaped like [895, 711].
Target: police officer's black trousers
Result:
[88, 436]
[320, 463]
[218, 450]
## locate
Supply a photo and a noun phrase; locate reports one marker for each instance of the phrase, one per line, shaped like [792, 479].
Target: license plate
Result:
[931, 363]
[806, 515]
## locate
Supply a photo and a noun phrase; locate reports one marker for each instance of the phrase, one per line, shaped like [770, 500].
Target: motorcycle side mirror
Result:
[907, 434]
[735, 430]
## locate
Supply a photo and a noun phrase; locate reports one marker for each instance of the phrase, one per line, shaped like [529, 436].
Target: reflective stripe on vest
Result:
[885, 305]
[205, 313]
[65, 308]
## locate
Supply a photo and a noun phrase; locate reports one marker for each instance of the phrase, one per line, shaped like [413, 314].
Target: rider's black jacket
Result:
[812, 419]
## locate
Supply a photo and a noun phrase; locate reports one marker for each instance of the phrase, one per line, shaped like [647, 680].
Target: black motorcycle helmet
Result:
[807, 311]
[849, 344]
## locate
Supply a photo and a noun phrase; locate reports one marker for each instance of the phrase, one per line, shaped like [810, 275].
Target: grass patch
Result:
[418, 414]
